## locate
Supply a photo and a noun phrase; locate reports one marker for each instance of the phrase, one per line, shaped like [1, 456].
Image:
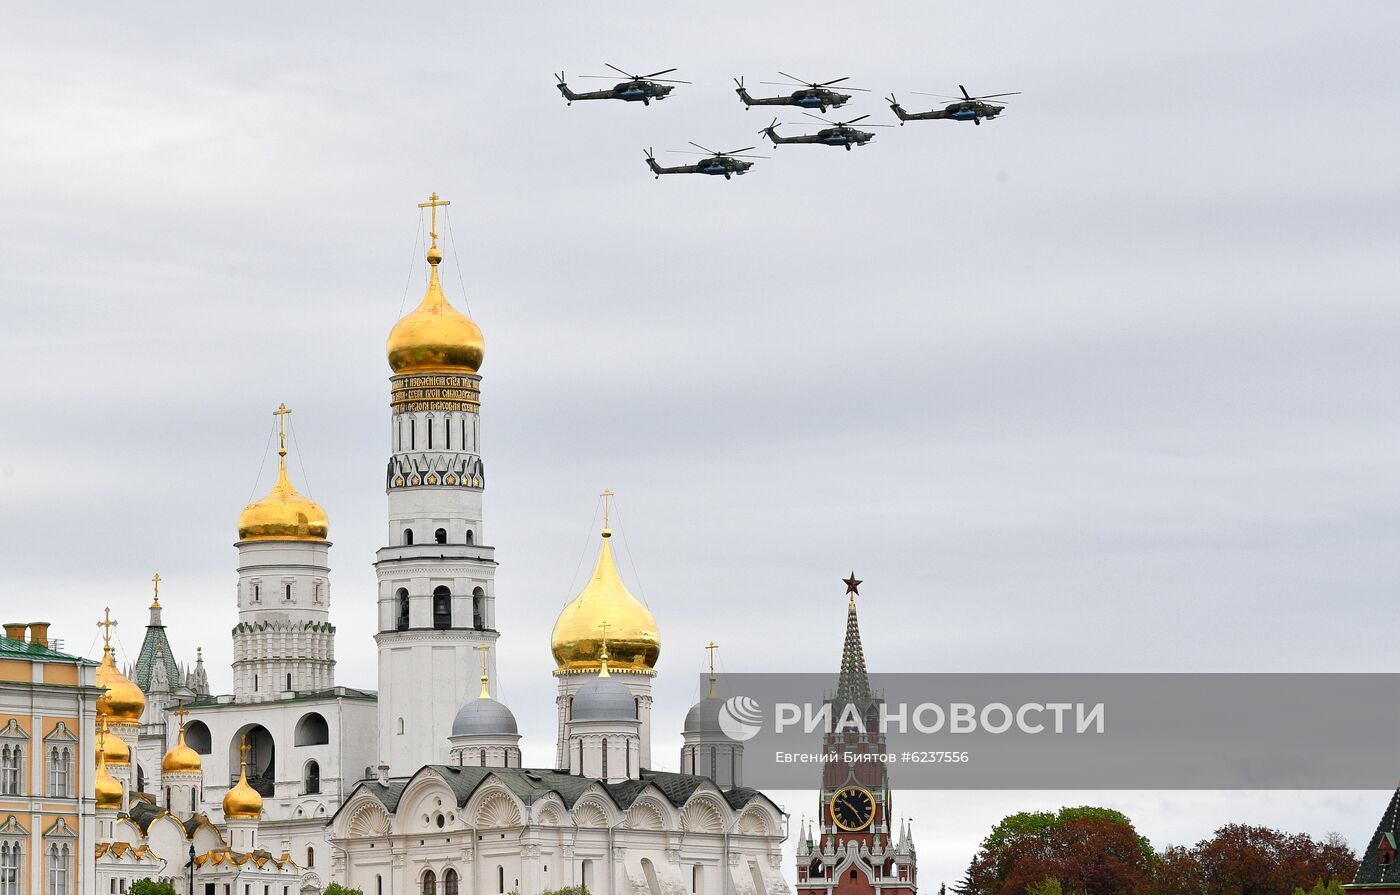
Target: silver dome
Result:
[484, 717]
[604, 699]
[703, 717]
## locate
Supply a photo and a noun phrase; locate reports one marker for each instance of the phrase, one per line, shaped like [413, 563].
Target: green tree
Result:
[338, 889]
[1084, 850]
[151, 887]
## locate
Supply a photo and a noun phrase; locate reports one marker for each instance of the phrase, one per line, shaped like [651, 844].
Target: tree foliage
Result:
[338, 889]
[150, 887]
[1096, 851]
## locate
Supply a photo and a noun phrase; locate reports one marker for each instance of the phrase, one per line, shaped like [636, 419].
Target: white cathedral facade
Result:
[418, 787]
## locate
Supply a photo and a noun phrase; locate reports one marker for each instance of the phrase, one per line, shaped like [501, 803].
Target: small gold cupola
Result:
[435, 337]
[284, 514]
[121, 701]
[181, 759]
[629, 637]
[242, 802]
[107, 790]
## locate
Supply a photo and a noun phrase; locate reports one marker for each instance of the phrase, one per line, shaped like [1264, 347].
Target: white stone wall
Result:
[284, 624]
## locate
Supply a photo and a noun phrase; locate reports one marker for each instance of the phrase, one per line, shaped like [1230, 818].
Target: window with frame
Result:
[11, 867]
[11, 768]
[60, 860]
[60, 771]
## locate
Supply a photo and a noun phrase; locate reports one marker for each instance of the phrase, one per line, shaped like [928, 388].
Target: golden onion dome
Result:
[112, 749]
[605, 608]
[435, 337]
[242, 802]
[283, 515]
[123, 701]
[107, 790]
[181, 759]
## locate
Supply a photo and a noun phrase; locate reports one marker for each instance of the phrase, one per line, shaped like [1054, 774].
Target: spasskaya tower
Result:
[849, 849]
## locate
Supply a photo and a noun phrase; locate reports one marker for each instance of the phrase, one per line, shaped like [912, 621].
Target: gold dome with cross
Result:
[284, 514]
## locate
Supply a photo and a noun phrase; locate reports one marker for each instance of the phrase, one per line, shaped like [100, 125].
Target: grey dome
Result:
[604, 699]
[484, 717]
[703, 717]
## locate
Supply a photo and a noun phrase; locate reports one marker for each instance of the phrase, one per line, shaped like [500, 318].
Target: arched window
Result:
[11, 868]
[400, 727]
[412, 435]
[430, 433]
[312, 730]
[408, 537]
[310, 857]
[429, 883]
[500, 879]
[197, 737]
[471, 538]
[442, 607]
[440, 536]
[289, 682]
[11, 761]
[288, 591]
[464, 433]
[449, 882]
[605, 758]
[378, 885]
[140, 779]
[167, 798]
[60, 771]
[59, 860]
[311, 779]
[402, 623]
[255, 683]
[696, 878]
[447, 431]
[479, 609]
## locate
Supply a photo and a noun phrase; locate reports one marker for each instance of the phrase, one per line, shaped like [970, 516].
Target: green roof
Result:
[11, 649]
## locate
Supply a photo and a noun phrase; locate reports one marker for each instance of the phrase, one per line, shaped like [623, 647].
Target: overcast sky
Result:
[1105, 385]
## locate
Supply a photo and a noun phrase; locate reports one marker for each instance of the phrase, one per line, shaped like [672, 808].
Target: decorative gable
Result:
[13, 731]
[60, 734]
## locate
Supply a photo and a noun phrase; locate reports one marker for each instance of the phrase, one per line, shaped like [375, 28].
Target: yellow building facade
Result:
[48, 710]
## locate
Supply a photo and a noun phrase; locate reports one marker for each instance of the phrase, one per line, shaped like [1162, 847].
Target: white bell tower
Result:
[436, 576]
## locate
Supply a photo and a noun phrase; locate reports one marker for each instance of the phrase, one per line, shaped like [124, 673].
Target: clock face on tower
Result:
[852, 808]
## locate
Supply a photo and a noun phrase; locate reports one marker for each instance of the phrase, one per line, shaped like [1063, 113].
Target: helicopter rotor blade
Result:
[655, 73]
[706, 148]
[854, 120]
[829, 83]
[817, 117]
[668, 81]
[616, 69]
[995, 95]
[938, 95]
[791, 78]
[737, 151]
[965, 94]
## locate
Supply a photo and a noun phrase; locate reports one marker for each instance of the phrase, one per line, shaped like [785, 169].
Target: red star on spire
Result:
[852, 584]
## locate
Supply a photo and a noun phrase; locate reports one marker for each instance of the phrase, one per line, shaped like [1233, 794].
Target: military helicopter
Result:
[811, 95]
[637, 88]
[839, 133]
[968, 108]
[726, 163]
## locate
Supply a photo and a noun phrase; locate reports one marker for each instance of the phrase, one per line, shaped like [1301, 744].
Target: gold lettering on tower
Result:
[436, 391]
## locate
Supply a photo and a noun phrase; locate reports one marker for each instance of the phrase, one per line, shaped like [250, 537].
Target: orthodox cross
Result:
[607, 498]
[180, 713]
[155, 579]
[485, 678]
[603, 658]
[102, 737]
[106, 625]
[434, 203]
[710, 648]
[243, 750]
[281, 414]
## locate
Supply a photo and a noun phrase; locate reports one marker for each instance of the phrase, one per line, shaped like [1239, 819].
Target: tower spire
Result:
[854, 682]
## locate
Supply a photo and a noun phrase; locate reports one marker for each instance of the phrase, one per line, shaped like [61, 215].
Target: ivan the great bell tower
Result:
[436, 576]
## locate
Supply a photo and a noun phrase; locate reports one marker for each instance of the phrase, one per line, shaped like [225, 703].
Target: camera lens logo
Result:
[741, 718]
